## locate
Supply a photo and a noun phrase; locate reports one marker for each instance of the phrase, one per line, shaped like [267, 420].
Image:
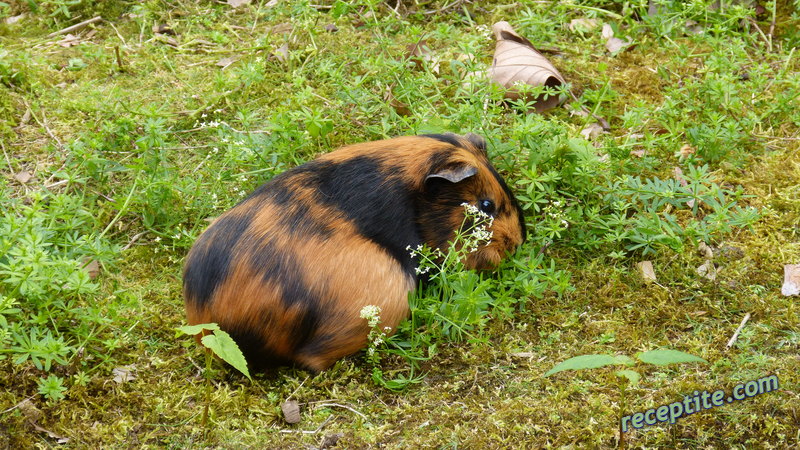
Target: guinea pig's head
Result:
[459, 173]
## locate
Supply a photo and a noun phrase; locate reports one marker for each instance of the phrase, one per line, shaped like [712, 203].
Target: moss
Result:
[486, 394]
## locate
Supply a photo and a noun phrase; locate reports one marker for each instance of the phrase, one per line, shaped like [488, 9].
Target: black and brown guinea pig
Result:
[287, 271]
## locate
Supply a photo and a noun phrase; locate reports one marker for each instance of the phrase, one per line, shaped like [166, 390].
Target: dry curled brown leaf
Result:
[516, 61]
[646, 271]
[238, 3]
[291, 411]
[791, 280]
[23, 177]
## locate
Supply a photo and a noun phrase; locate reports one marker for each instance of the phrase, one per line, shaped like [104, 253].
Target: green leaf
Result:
[632, 376]
[583, 362]
[225, 347]
[627, 360]
[666, 357]
[197, 329]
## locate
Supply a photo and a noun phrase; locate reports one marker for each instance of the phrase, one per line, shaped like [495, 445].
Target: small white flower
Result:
[372, 314]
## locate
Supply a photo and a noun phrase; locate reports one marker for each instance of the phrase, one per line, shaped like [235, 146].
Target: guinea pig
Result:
[287, 271]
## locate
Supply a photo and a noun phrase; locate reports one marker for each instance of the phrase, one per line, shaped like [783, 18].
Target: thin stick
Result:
[119, 58]
[133, 239]
[16, 406]
[320, 405]
[738, 330]
[298, 388]
[75, 27]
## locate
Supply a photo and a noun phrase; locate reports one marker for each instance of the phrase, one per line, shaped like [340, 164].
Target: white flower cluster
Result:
[480, 232]
[554, 211]
[372, 314]
[419, 252]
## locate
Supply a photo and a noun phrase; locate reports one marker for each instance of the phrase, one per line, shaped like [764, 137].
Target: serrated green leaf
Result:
[583, 362]
[632, 376]
[225, 347]
[666, 357]
[197, 329]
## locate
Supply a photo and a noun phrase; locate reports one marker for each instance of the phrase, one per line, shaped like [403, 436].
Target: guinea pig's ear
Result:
[478, 141]
[454, 173]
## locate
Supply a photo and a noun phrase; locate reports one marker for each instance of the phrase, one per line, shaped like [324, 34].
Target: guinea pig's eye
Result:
[487, 206]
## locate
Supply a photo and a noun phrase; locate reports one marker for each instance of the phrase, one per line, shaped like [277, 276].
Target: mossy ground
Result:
[474, 395]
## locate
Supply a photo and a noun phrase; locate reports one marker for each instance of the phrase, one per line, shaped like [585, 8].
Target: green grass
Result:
[129, 162]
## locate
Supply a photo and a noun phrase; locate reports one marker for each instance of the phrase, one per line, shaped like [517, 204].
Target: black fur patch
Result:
[435, 208]
[378, 204]
[449, 138]
[255, 351]
[293, 212]
[278, 267]
[319, 345]
[514, 203]
[210, 263]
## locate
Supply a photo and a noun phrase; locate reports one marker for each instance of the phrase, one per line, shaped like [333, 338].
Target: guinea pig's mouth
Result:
[485, 258]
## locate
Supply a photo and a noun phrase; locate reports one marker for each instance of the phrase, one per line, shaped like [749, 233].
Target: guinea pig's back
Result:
[287, 271]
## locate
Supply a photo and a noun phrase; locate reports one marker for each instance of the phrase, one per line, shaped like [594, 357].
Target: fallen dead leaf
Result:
[238, 3]
[330, 440]
[583, 25]
[25, 118]
[614, 45]
[23, 177]
[420, 53]
[607, 32]
[638, 153]
[92, 267]
[225, 62]
[281, 28]
[791, 280]
[592, 131]
[708, 271]
[677, 173]
[171, 41]
[69, 40]
[730, 252]
[578, 113]
[59, 439]
[124, 374]
[685, 151]
[29, 410]
[705, 251]
[291, 411]
[398, 106]
[14, 19]
[516, 60]
[646, 271]
[281, 53]
[164, 29]
[693, 28]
